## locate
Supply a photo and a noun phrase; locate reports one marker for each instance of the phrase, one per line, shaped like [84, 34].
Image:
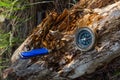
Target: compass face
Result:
[85, 39]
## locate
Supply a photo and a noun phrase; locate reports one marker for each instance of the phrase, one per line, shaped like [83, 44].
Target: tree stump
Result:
[57, 33]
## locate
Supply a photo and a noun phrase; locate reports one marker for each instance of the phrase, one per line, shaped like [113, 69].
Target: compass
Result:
[85, 38]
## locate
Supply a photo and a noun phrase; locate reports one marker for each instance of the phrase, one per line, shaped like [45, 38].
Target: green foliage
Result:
[6, 4]
[12, 11]
[11, 6]
[4, 40]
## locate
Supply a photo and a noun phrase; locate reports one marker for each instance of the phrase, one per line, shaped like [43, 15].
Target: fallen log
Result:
[66, 61]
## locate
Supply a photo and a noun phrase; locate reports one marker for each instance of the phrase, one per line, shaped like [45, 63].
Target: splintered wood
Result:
[57, 33]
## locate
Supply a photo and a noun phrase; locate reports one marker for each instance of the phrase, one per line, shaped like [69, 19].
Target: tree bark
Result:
[57, 33]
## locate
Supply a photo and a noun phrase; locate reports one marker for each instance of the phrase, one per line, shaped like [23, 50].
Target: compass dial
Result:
[85, 39]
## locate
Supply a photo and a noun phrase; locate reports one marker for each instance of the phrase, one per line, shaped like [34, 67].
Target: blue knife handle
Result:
[33, 53]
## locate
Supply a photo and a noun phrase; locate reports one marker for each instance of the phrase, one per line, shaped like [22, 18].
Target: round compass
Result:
[85, 38]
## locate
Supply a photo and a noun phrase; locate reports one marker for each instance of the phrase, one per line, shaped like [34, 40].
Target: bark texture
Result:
[57, 33]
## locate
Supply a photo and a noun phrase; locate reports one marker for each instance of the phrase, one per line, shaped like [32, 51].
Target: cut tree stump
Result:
[57, 33]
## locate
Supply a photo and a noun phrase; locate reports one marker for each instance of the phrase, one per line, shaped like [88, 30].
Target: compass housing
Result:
[85, 38]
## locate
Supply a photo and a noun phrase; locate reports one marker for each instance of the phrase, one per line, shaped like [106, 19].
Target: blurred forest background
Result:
[17, 20]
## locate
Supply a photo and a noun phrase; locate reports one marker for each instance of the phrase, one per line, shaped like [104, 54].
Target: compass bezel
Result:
[93, 35]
